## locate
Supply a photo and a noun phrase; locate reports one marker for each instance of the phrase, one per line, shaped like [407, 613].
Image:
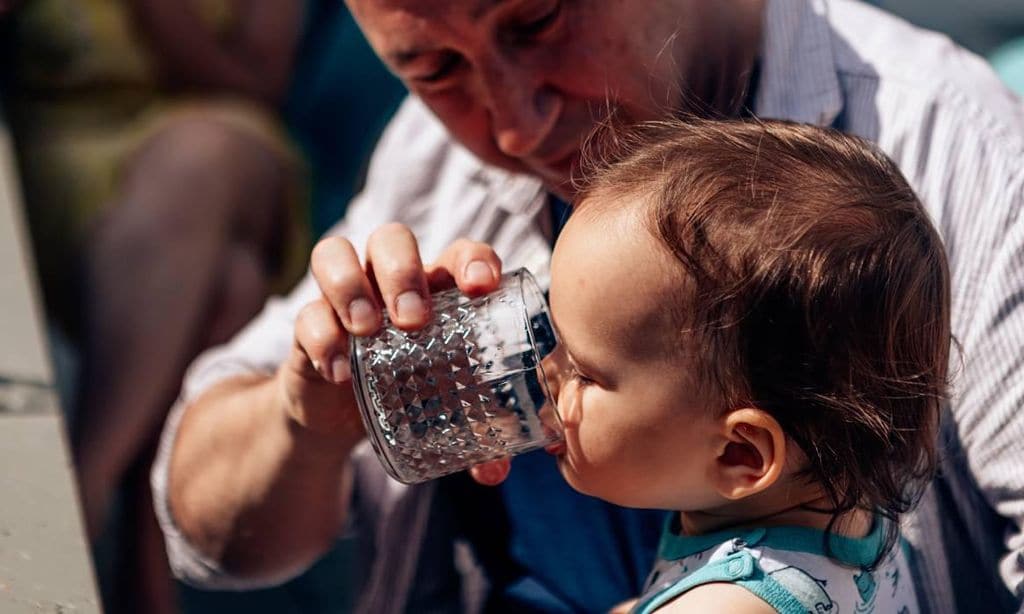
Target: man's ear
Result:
[750, 455]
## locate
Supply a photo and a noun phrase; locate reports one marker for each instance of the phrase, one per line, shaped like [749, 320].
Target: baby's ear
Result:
[750, 455]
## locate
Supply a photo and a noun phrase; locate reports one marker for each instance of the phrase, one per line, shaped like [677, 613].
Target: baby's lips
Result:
[553, 430]
[555, 449]
[549, 419]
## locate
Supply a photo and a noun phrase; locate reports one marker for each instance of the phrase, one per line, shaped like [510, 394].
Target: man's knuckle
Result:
[387, 231]
[343, 280]
[305, 314]
[398, 273]
[463, 243]
[329, 260]
[316, 337]
[321, 338]
[324, 249]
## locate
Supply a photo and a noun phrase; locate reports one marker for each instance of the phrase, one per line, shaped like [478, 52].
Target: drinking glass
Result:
[467, 388]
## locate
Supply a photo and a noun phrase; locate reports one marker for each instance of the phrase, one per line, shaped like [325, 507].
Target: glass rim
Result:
[526, 279]
[368, 412]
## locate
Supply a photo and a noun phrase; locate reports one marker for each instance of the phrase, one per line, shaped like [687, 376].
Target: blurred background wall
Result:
[991, 28]
[979, 25]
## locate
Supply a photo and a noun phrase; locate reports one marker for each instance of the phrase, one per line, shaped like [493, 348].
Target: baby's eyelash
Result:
[581, 379]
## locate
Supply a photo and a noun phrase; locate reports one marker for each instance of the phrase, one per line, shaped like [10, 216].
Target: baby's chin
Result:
[565, 468]
[595, 487]
[575, 479]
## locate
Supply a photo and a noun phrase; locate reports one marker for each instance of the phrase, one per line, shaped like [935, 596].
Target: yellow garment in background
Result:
[86, 95]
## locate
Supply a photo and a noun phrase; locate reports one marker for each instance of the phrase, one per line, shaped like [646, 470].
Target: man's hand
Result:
[491, 473]
[316, 378]
[259, 478]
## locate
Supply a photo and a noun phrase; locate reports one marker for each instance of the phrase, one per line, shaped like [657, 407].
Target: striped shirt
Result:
[937, 110]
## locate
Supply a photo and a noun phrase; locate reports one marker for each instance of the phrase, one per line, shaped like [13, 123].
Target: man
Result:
[257, 454]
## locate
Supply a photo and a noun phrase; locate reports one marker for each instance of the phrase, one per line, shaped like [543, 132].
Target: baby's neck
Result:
[771, 511]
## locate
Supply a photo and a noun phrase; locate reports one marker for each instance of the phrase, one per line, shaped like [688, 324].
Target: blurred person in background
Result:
[165, 204]
[263, 461]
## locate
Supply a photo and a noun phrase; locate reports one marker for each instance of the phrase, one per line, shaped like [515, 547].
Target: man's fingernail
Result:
[478, 273]
[362, 314]
[410, 306]
[340, 370]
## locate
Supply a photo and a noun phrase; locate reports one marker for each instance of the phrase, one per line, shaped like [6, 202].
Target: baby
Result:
[755, 332]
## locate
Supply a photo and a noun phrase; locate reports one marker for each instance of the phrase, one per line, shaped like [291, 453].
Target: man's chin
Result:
[563, 191]
[556, 177]
[559, 181]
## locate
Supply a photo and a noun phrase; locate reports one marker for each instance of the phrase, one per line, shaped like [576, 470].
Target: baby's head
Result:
[751, 312]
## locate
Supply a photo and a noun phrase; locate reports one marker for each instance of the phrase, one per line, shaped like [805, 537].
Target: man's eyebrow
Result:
[481, 8]
[402, 57]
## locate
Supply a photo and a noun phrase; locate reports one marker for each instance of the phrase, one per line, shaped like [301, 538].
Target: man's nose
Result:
[523, 111]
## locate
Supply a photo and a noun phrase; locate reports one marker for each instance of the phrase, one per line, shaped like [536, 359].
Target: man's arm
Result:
[225, 478]
[252, 489]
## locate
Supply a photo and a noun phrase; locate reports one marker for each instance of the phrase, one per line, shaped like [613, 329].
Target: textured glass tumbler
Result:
[467, 388]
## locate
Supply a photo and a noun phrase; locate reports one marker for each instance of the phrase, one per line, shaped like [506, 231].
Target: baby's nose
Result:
[553, 374]
[555, 366]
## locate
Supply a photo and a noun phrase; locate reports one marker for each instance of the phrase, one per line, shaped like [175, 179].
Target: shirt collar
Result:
[853, 551]
[517, 194]
[798, 72]
[514, 193]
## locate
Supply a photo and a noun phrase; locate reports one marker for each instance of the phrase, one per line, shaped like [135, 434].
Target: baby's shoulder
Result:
[717, 597]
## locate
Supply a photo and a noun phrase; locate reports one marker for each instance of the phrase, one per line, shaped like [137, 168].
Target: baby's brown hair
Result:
[815, 286]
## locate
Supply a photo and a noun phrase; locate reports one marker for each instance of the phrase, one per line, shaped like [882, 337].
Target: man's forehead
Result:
[430, 9]
[400, 29]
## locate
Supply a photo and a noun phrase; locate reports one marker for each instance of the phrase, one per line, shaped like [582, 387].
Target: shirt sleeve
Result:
[958, 137]
[989, 402]
[413, 140]
[983, 226]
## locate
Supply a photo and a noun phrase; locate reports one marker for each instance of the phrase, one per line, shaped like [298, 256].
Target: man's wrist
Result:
[327, 450]
[320, 448]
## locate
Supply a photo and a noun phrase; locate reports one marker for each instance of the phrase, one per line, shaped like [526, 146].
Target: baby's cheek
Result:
[601, 440]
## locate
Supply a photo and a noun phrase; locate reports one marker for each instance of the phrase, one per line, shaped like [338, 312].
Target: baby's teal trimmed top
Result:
[788, 567]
